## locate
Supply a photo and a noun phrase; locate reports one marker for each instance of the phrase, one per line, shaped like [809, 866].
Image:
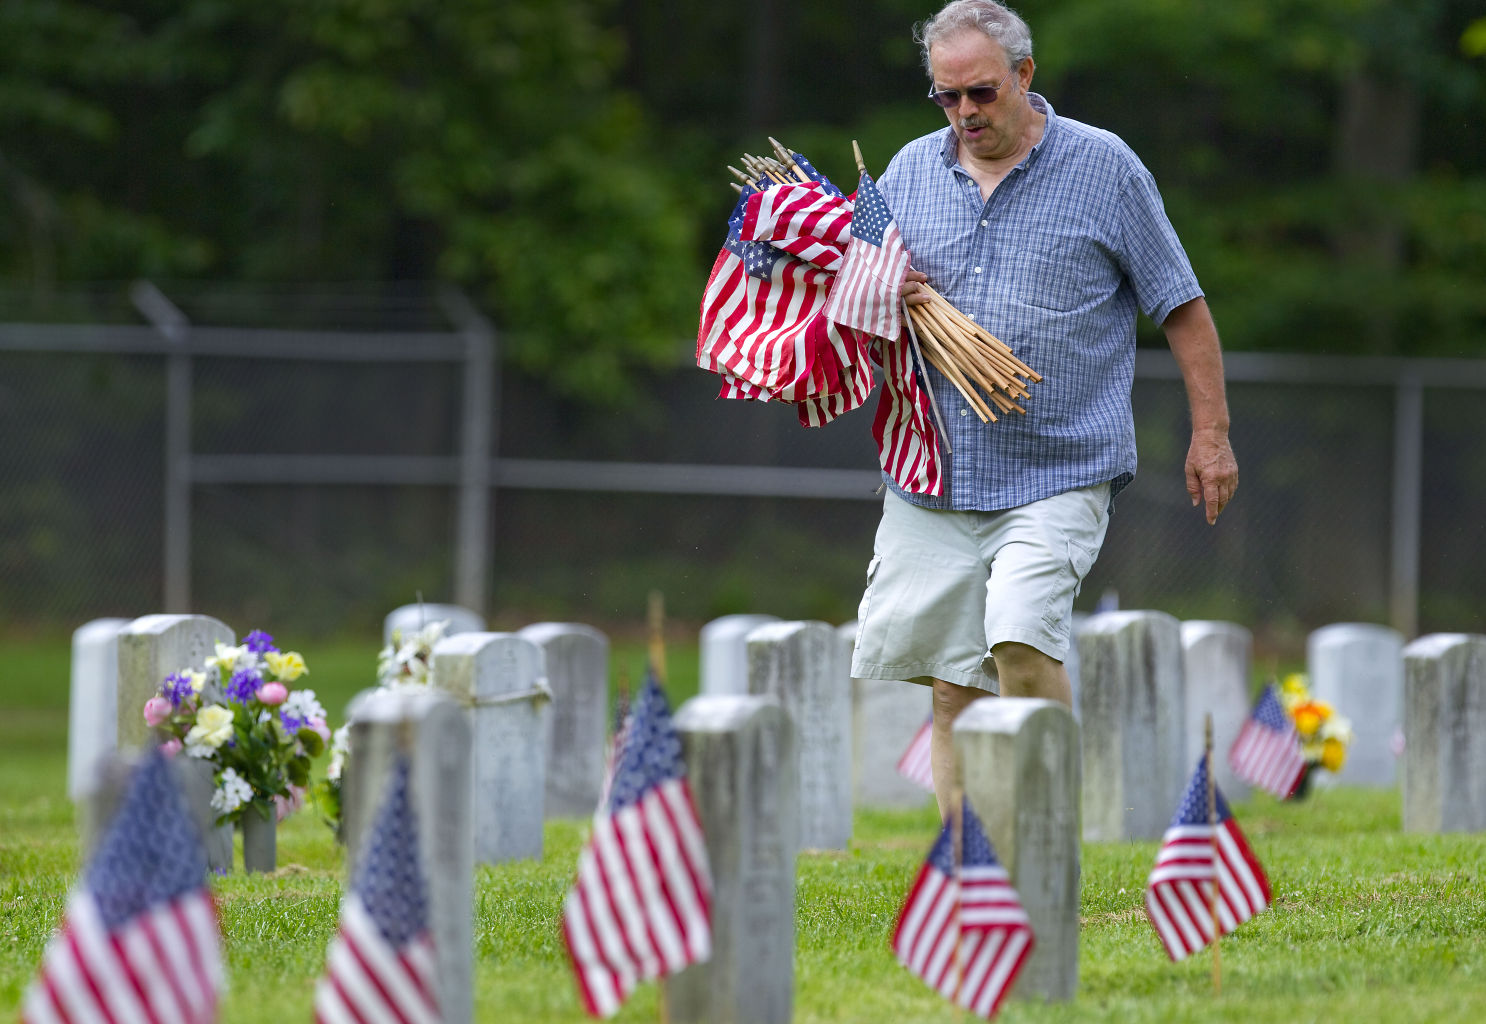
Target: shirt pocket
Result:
[1059, 284]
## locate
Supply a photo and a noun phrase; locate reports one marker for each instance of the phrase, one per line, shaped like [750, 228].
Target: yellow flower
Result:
[1308, 719]
[198, 679]
[286, 667]
[1295, 683]
[1333, 754]
[212, 729]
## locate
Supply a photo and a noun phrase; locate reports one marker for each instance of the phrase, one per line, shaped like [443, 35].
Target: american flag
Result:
[140, 939]
[915, 764]
[865, 296]
[641, 906]
[964, 932]
[1180, 887]
[381, 965]
[1267, 750]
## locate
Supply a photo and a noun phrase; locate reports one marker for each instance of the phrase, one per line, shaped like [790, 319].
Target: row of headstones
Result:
[1143, 684]
[745, 757]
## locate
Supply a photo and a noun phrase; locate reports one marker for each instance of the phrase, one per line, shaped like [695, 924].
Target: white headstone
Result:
[1018, 760]
[93, 703]
[723, 666]
[741, 762]
[433, 731]
[1357, 668]
[151, 648]
[885, 717]
[577, 660]
[1132, 717]
[1070, 660]
[799, 664]
[1444, 726]
[500, 681]
[411, 618]
[1217, 658]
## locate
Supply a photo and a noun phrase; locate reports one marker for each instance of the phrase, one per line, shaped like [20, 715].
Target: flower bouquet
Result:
[1324, 735]
[241, 716]
[406, 661]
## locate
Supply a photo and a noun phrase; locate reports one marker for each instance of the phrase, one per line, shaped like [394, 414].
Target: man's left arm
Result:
[1212, 471]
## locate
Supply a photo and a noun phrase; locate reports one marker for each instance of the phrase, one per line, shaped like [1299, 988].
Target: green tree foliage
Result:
[287, 140]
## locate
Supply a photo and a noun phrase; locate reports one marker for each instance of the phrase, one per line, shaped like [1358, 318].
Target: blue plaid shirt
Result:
[1072, 241]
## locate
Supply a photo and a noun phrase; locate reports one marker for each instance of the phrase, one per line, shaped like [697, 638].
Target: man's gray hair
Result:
[1000, 23]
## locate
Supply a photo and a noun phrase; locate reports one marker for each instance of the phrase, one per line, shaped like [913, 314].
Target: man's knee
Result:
[951, 698]
[1027, 672]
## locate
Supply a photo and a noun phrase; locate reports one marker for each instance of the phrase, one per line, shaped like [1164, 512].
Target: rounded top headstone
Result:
[412, 618]
[1113, 622]
[546, 632]
[1007, 714]
[1434, 645]
[99, 629]
[723, 712]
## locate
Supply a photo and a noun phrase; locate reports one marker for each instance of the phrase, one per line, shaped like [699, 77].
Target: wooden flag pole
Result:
[1212, 822]
[856, 151]
[656, 621]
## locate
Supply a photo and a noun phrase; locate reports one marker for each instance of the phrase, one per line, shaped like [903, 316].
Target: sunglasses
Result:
[979, 94]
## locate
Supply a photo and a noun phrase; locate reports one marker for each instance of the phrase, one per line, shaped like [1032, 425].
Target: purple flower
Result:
[258, 642]
[243, 686]
[177, 688]
[291, 722]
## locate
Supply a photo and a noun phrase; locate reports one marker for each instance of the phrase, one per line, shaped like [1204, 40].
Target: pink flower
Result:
[273, 694]
[318, 725]
[156, 710]
[287, 805]
[171, 747]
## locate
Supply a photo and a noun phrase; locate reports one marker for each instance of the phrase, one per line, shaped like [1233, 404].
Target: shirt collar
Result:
[949, 146]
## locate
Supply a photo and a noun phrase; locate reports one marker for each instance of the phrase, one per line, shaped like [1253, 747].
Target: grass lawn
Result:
[1368, 924]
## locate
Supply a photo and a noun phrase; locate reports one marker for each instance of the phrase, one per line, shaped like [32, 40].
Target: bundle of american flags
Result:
[962, 928]
[1204, 869]
[641, 906]
[805, 293]
[140, 939]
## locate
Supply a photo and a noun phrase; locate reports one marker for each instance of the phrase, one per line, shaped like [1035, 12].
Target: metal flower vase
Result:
[260, 840]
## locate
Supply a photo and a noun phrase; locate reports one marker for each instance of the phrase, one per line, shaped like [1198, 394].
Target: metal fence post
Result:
[173, 325]
[1408, 482]
[479, 427]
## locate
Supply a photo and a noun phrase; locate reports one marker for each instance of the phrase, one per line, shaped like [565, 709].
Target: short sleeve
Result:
[1150, 254]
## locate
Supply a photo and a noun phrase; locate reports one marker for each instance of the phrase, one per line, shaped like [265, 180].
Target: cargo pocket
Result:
[866, 604]
[1081, 559]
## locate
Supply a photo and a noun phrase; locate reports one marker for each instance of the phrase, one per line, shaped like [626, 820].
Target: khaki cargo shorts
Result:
[945, 587]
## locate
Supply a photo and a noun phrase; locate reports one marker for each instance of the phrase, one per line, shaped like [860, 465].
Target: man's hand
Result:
[911, 292]
[1212, 471]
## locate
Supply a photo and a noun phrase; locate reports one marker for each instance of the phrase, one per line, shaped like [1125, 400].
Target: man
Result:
[1051, 234]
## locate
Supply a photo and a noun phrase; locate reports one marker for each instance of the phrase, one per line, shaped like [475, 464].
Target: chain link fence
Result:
[324, 491]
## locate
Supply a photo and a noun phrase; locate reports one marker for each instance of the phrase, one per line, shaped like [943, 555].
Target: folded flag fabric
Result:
[915, 764]
[140, 938]
[865, 296]
[641, 906]
[962, 928]
[1267, 751]
[381, 965]
[1195, 855]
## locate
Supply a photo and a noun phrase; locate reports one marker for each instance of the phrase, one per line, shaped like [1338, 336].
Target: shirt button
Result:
[964, 412]
[984, 223]
[977, 270]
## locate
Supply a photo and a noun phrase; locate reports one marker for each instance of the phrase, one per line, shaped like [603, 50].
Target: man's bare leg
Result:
[949, 700]
[1026, 672]
[1023, 671]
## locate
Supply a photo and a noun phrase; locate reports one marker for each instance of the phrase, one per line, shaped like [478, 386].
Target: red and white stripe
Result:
[907, 444]
[1268, 758]
[966, 940]
[916, 763]
[641, 906]
[1180, 886]
[866, 294]
[366, 979]
[163, 966]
